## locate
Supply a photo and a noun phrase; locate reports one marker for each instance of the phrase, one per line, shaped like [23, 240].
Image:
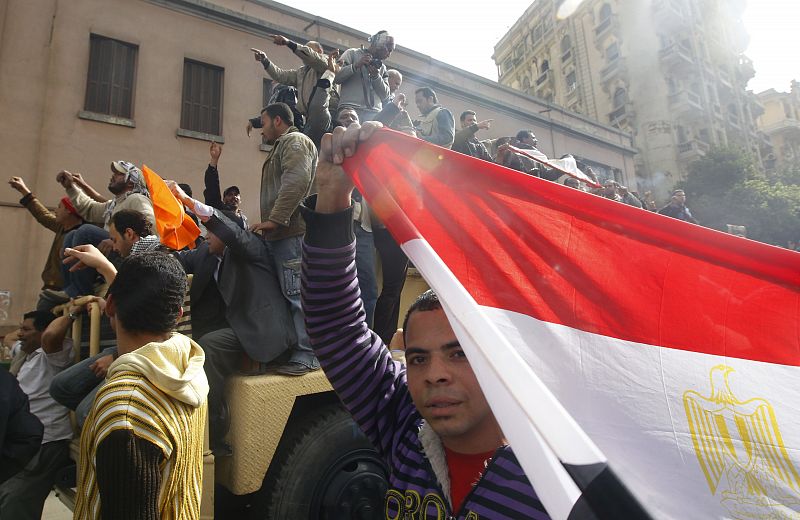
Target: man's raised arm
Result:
[359, 366]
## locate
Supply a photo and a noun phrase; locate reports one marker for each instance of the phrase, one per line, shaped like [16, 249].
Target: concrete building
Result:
[781, 123]
[671, 72]
[85, 82]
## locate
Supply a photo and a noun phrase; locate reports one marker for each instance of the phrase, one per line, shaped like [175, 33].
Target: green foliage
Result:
[719, 171]
[725, 188]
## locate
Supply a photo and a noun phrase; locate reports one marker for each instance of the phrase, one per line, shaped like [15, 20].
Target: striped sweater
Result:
[142, 443]
[373, 388]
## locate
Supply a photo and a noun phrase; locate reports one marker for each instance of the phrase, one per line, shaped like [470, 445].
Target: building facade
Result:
[85, 82]
[781, 123]
[671, 72]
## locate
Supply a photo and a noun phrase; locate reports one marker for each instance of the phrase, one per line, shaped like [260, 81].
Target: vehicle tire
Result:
[325, 469]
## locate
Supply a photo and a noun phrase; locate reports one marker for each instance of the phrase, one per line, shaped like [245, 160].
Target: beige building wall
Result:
[44, 54]
[670, 72]
[781, 123]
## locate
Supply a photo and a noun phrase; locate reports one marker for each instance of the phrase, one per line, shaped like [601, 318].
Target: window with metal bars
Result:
[111, 77]
[201, 105]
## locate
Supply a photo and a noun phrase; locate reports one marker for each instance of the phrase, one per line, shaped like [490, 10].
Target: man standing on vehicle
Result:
[363, 76]
[286, 178]
[430, 421]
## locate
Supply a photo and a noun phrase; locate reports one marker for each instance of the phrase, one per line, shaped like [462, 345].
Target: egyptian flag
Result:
[175, 228]
[620, 350]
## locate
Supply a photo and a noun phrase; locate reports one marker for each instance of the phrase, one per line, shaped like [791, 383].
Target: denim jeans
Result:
[287, 255]
[81, 282]
[365, 268]
[76, 386]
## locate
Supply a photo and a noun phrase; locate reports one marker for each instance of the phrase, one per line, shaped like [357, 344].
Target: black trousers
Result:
[22, 496]
[394, 264]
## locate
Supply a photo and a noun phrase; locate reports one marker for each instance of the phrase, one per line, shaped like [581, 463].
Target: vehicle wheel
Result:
[325, 469]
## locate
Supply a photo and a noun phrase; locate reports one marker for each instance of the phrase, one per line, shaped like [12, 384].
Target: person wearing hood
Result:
[128, 186]
[144, 459]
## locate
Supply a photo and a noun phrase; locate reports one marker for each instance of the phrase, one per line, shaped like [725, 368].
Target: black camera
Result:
[376, 63]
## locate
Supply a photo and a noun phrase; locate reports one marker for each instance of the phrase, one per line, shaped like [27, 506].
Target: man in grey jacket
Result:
[313, 81]
[363, 77]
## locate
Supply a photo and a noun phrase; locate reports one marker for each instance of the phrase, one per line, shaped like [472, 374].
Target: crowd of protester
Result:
[247, 313]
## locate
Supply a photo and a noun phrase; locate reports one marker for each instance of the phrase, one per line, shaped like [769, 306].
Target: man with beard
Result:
[130, 192]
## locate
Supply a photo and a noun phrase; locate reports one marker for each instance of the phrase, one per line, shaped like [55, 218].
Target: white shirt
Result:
[34, 378]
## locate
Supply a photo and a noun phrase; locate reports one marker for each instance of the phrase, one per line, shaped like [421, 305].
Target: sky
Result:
[463, 33]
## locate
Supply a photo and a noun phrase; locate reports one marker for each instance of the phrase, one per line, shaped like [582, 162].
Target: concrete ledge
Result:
[105, 118]
[181, 132]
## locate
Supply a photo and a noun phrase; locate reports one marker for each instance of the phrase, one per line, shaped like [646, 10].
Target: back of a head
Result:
[524, 134]
[132, 219]
[281, 110]
[148, 292]
[186, 188]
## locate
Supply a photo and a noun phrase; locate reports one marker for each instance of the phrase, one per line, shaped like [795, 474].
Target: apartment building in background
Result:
[670, 72]
[781, 123]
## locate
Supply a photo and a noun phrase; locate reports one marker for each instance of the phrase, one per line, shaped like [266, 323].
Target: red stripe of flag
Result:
[567, 257]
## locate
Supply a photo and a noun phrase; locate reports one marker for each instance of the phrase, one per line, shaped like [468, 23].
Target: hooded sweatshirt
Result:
[142, 444]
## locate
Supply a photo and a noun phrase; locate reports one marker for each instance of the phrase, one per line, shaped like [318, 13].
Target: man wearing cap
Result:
[231, 198]
[128, 186]
[62, 221]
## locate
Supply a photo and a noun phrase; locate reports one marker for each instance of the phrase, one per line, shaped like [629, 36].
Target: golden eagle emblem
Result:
[741, 452]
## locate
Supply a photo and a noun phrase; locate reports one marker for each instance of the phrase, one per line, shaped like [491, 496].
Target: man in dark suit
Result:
[237, 303]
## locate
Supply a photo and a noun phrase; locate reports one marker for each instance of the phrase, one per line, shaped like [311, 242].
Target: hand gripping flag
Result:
[175, 228]
[607, 336]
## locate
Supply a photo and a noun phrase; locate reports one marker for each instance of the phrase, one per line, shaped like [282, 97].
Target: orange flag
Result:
[176, 229]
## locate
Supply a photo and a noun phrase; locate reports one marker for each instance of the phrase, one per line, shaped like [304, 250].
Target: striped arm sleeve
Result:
[369, 383]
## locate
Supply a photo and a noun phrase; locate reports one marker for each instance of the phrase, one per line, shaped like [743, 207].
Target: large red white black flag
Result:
[602, 332]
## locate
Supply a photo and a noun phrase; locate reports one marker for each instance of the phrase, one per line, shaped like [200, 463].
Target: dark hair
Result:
[466, 113]
[230, 189]
[522, 134]
[281, 110]
[132, 219]
[41, 319]
[427, 301]
[427, 92]
[186, 188]
[675, 192]
[148, 292]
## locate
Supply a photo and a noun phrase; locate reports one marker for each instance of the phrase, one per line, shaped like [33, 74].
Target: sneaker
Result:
[293, 368]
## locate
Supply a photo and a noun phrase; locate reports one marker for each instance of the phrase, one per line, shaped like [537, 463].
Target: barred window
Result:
[111, 76]
[201, 106]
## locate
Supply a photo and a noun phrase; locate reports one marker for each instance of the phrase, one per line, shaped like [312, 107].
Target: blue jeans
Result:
[365, 268]
[81, 283]
[287, 254]
[76, 386]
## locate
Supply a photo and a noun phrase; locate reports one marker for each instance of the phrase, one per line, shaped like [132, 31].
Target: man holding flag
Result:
[429, 421]
[617, 349]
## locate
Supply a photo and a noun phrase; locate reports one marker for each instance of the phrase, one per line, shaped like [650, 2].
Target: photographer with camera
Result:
[363, 77]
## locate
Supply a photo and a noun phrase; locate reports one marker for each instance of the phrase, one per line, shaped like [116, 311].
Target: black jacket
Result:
[20, 431]
[255, 307]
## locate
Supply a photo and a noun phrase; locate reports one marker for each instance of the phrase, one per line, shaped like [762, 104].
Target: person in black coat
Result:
[21, 432]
